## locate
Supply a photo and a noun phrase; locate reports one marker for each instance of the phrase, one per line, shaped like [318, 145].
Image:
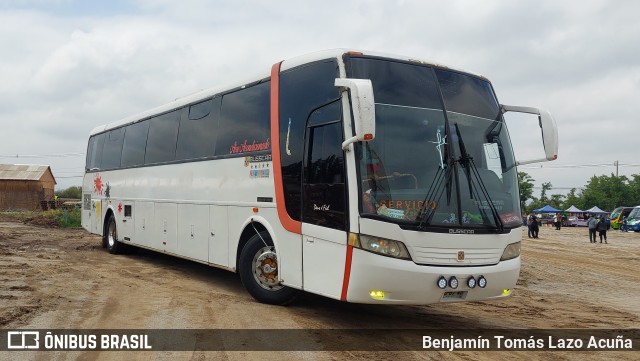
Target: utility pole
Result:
[616, 164]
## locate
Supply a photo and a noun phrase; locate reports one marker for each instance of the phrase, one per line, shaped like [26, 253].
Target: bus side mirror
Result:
[363, 107]
[547, 126]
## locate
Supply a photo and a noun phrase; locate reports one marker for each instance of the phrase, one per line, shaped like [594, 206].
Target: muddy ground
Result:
[53, 278]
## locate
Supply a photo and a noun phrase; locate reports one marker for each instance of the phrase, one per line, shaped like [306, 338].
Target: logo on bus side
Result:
[245, 147]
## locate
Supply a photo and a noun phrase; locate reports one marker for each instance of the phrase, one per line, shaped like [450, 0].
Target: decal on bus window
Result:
[439, 143]
[287, 143]
[245, 147]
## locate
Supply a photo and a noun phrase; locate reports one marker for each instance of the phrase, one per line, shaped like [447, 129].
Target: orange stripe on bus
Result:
[347, 274]
[287, 222]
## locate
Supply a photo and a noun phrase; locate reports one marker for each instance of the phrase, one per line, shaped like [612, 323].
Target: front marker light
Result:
[376, 294]
[384, 246]
[511, 251]
[482, 282]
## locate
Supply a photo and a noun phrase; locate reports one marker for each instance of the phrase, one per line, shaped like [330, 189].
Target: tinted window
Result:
[198, 131]
[135, 142]
[467, 95]
[302, 90]
[398, 83]
[94, 152]
[244, 121]
[200, 110]
[324, 202]
[112, 151]
[163, 135]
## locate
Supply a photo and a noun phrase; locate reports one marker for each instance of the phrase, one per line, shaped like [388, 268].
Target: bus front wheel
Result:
[259, 271]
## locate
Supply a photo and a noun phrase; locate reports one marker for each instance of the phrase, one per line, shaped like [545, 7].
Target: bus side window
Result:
[162, 138]
[244, 120]
[198, 128]
[135, 142]
[112, 151]
[94, 153]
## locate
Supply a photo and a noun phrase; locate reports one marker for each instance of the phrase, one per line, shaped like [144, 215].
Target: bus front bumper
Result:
[379, 279]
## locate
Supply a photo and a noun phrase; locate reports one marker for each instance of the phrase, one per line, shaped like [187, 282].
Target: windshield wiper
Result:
[434, 193]
[471, 169]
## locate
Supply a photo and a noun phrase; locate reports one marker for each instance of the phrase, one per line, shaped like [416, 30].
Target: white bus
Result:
[362, 177]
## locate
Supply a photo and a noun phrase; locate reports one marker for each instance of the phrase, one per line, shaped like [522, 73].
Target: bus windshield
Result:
[442, 156]
[634, 215]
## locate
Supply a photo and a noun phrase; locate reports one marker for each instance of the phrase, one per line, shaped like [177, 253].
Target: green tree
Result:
[557, 201]
[573, 199]
[607, 192]
[74, 192]
[525, 184]
[633, 197]
[546, 186]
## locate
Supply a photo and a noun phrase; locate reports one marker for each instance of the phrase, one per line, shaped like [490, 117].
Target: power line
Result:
[565, 166]
[59, 155]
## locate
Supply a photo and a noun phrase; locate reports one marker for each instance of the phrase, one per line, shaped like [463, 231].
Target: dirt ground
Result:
[54, 278]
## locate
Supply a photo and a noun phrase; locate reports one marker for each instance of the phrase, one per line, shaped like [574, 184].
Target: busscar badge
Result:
[460, 255]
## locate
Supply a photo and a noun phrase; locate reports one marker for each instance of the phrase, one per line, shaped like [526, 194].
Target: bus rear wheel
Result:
[259, 272]
[110, 238]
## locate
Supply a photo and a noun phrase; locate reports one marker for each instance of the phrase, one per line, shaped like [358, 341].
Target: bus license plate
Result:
[454, 295]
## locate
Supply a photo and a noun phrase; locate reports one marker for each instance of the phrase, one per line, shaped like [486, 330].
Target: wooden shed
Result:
[25, 187]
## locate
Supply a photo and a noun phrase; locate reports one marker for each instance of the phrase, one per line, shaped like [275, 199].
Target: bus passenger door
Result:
[324, 207]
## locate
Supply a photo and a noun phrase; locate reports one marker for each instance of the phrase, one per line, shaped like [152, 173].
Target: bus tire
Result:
[110, 239]
[259, 272]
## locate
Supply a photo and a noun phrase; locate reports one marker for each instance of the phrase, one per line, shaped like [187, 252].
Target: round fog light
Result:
[482, 282]
[471, 282]
[453, 282]
[442, 282]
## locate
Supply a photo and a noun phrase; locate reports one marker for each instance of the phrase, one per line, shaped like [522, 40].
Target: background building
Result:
[25, 187]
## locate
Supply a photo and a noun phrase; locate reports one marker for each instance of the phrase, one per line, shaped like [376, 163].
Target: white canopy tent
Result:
[596, 210]
[574, 209]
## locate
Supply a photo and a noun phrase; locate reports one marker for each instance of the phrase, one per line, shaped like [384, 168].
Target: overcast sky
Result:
[67, 66]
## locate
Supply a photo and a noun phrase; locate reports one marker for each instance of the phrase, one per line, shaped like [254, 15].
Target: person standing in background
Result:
[592, 224]
[535, 226]
[602, 228]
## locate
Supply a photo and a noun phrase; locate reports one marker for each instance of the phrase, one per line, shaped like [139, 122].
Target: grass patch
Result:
[51, 218]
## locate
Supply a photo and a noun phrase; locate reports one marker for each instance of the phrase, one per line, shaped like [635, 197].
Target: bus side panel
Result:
[126, 225]
[219, 236]
[165, 227]
[324, 259]
[193, 231]
[143, 214]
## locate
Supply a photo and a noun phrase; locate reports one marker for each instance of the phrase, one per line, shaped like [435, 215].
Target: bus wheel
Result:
[110, 239]
[259, 272]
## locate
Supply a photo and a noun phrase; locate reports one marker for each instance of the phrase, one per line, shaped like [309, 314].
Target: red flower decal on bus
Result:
[97, 184]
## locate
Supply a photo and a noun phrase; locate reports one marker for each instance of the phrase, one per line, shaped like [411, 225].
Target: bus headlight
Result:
[511, 251]
[384, 246]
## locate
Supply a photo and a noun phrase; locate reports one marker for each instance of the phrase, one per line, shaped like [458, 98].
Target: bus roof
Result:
[286, 64]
